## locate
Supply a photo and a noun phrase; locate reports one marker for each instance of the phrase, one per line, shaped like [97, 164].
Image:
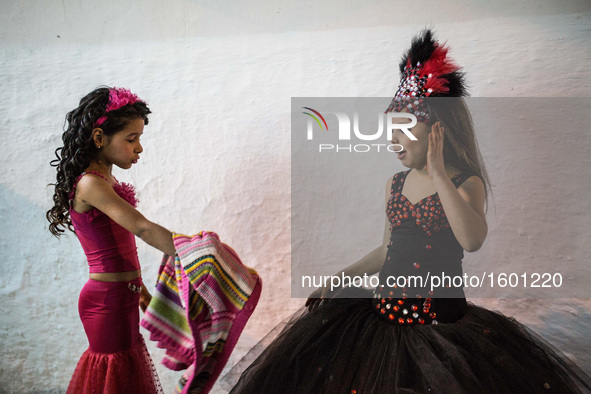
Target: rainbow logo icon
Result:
[315, 118]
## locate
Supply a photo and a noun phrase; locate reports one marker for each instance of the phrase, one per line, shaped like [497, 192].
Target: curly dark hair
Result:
[79, 149]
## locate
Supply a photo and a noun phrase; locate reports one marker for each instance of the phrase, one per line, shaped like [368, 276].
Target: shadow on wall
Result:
[39, 286]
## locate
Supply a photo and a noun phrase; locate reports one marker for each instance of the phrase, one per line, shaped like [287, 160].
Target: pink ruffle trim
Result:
[124, 190]
[130, 371]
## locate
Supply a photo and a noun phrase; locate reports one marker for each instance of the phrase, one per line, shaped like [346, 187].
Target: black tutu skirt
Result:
[344, 346]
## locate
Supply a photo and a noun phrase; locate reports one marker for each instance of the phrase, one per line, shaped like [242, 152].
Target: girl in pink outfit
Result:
[104, 131]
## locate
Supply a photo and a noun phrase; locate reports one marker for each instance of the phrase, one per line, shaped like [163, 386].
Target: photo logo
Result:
[344, 130]
[316, 119]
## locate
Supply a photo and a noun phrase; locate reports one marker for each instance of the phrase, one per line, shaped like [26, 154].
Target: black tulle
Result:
[345, 347]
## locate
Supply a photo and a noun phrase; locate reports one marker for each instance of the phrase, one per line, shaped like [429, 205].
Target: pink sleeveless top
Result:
[108, 246]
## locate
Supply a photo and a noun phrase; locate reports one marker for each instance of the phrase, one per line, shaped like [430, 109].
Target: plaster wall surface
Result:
[219, 78]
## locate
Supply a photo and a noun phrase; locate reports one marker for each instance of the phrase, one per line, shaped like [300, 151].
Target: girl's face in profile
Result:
[414, 153]
[123, 148]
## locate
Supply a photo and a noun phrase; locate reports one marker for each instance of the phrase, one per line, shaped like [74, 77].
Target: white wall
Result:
[218, 77]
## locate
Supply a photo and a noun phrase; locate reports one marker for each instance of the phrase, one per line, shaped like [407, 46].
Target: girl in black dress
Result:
[408, 338]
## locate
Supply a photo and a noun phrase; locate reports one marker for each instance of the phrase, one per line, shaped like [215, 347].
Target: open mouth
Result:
[401, 154]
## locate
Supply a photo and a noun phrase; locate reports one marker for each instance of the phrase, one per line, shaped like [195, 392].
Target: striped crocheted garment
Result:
[202, 301]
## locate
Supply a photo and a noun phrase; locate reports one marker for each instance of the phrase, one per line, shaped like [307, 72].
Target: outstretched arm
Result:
[463, 206]
[94, 191]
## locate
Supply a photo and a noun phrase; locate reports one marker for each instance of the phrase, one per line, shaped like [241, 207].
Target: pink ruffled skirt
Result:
[117, 360]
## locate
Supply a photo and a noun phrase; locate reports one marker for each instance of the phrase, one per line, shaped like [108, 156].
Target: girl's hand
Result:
[145, 298]
[316, 298]
[435, 163]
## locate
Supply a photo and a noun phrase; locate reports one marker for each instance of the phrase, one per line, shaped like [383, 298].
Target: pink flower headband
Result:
[118, 97]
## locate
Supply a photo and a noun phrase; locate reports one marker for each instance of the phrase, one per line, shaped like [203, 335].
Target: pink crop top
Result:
[108, 246]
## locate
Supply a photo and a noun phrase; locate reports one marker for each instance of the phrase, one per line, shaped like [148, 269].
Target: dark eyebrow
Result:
[134, 134]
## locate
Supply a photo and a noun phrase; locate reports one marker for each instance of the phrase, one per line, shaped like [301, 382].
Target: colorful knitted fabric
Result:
[204, 296]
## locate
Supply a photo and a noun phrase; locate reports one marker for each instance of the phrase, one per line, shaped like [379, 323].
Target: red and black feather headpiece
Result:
[426, 72]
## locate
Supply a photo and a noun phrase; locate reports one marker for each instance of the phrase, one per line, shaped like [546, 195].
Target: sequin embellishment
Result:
[404, 311]
[427, 213]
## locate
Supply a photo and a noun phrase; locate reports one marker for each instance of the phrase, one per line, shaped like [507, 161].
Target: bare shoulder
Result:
[94, 191]
[473, 185]
[472, 190]
[91, 181]
[90, 186]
